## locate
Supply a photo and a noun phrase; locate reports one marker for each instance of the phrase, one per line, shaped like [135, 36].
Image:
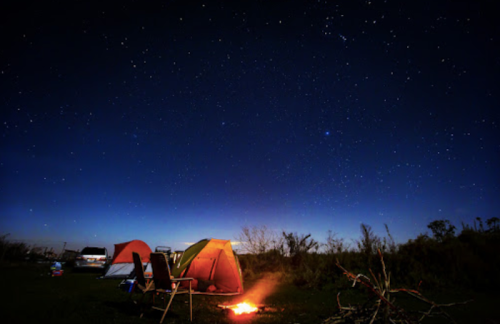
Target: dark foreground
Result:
[30, 295]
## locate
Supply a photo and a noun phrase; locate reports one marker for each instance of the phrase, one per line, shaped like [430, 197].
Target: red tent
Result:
[122, 264]
[123, 251]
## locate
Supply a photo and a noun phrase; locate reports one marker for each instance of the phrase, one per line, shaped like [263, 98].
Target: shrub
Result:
[469, 260]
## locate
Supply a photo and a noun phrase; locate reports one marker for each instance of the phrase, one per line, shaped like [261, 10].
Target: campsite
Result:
[284, 287]
[32, 295]
[215, 162]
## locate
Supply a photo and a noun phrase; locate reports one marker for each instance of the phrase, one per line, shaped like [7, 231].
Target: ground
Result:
[32, 295]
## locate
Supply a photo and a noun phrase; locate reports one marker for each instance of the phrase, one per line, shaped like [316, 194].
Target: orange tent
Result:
[214, 265]
[122, 264]
[123, 252]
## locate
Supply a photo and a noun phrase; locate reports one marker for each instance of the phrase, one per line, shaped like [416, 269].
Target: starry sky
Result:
[175, 121]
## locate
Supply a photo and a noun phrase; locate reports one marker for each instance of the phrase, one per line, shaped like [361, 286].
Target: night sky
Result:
[175, 121]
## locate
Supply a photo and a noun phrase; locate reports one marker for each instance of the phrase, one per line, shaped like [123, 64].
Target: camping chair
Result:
[166, 284]
[142, 286]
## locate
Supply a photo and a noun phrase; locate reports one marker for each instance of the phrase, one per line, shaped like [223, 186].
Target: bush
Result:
[469, 260]
[11, 251]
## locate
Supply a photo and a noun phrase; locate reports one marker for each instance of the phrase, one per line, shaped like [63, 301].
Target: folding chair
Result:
[142, 286]
[166, 284]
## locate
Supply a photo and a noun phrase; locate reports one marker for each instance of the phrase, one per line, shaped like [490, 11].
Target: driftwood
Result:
[383, 310]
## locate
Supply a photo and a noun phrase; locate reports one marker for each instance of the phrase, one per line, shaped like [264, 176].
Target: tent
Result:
[214, 265]
[122, 264]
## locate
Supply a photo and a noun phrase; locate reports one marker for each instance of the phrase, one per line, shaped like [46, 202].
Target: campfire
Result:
[250, 303]
[241, 308]
[247, 307]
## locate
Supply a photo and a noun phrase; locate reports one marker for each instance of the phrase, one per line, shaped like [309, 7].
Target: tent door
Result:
[214, 266]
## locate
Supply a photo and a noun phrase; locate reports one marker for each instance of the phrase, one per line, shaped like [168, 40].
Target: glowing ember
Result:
[243, 308]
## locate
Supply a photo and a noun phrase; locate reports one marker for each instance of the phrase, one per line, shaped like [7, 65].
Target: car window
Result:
[93, 251]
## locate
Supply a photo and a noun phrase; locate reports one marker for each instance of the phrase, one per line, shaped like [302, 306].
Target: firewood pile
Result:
[381, 308]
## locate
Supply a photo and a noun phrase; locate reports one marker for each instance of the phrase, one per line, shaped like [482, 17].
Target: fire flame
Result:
[244, 308]
[257, 294]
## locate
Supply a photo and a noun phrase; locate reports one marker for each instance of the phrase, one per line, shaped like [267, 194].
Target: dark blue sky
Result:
[179, 120]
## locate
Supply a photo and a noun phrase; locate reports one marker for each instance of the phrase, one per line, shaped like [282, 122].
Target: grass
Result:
[31, 295]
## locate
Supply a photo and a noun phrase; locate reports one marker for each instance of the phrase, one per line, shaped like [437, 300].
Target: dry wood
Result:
[382, 290]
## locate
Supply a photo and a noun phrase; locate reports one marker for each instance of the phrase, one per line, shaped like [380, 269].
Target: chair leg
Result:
[190, 303]
[172, 295]
[141, 305]
[166, 309]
